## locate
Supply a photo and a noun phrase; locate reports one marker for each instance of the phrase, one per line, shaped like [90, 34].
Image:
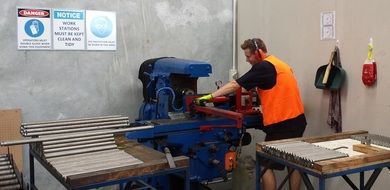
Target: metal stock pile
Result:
[373, 139]
[79, 145]
[8, 178]
[300, 152]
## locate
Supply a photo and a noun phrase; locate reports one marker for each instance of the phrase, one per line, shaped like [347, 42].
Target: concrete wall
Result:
[51, 85]
[291, 30]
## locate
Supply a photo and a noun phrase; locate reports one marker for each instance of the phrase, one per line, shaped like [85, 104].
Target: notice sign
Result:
[68, 29]
[34, 29]
[101, 30]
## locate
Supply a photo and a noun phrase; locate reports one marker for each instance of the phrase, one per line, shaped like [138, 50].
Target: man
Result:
[281, 104]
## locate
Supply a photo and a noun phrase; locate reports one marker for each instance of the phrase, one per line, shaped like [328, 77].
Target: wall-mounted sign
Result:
[68, 29]
[34, 29]
[101, 30]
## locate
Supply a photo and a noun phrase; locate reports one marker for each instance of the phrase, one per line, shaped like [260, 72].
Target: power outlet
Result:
[328, 25]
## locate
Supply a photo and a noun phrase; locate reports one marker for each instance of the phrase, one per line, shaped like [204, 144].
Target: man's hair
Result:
[251, 44]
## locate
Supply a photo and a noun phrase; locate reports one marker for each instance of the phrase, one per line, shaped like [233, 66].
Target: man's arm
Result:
[226, 89]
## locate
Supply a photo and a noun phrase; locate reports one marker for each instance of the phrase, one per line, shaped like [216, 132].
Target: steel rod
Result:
[98, 168]
[8, 182]
[78, 147]
[73, 122]
[3, 172]
[5, 167]
[60, 127]
[54, 138]
[3, 159]
[93, 163]
[87, 159]
[79, 151]
[64, 141]
[90, 155]
[78, 143]
[11, 187]
[66, 120]
[2, 163]
[74, 130]
[9, 176]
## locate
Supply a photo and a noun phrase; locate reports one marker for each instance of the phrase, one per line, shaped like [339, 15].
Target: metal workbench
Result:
[340, 167]
[154, 164]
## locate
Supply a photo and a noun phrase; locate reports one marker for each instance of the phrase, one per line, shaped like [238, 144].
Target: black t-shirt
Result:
[263, 75]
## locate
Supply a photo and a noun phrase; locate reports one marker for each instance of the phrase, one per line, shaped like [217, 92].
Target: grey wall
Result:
[291, 31]
[50, 85]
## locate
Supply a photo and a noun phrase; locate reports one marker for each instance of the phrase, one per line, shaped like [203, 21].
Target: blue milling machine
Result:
[210, 135]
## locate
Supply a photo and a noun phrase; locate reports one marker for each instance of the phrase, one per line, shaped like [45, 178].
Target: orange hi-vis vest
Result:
[281, 102]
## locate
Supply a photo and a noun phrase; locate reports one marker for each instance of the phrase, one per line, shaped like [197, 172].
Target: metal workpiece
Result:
[94, 163]
[67, 122]
[81, 160]
[78, 135]
[86, 156]
[60, 127]
[100, 167]
[82, 139]
[76, 143]
[89, 145]
[63, 131]
[79, 151]
[302, 153]
[373, 139]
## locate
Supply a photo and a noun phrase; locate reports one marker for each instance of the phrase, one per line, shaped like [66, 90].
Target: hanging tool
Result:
[369, 67]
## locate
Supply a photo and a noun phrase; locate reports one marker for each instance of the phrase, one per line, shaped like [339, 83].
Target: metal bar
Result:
[146, 186]
[4, 172]
[350, 183]
[96, 164]
[2, 163]
[290, 171]
[73, 122]
[46, 147]
[32, 169]
[9, 176]
[48, 143]
[361, 182]
[258, 169]
[5, 167]
[373, 178]
[4, 159]
[84, 162]
[12, 187]
[97, 168]
[8, 182]
[78, 147]
[35, 140]
[82, 156]
[74, 130]
[321, 185]
[306, 181]
[223, 113]
[79, 151]
[70, 120]
[60, 127]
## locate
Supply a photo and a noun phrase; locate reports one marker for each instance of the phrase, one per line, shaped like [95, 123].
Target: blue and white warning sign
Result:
[101, 30]
[34, 30]
[68, 29]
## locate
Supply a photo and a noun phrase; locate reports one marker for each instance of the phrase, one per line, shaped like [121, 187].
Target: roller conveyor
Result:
[8, 177]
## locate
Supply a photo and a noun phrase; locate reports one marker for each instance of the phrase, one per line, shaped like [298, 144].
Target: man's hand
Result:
[201, 100]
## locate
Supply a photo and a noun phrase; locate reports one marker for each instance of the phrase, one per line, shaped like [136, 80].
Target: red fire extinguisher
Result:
[369, 67]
